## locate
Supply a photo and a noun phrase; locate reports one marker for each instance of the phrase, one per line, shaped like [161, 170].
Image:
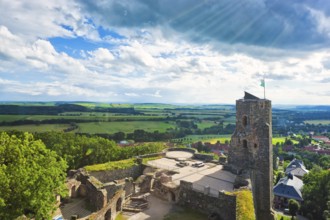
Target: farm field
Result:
[204, 138]
[127, 127]
[79, 116]
[35, 128]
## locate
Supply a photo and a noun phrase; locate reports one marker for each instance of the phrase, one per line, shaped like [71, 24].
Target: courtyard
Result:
[210, 175]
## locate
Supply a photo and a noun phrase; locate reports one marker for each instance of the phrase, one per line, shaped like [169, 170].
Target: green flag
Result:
[262, 83]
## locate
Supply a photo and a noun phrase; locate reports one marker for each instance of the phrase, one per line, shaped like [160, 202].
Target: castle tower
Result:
[251, 150]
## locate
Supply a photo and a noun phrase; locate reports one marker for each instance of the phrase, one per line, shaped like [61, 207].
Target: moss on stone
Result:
[244, 205]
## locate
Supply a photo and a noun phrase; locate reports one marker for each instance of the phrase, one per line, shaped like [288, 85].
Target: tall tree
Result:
[316, 192]
[30, 177]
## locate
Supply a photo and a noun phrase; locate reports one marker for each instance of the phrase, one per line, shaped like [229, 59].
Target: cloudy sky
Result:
[165, 51]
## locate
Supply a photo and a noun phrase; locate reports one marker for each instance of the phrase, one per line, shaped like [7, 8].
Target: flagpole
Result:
[264, 88]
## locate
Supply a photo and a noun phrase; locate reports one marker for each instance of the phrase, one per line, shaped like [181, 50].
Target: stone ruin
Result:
[251, 154]
[250, 158]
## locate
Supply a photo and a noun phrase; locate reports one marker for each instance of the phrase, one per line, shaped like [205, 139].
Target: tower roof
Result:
[250, 96]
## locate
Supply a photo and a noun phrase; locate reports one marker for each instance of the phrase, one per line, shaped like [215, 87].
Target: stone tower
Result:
[251, 150]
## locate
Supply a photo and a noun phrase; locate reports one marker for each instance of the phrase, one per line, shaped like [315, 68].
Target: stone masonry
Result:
[251, 150]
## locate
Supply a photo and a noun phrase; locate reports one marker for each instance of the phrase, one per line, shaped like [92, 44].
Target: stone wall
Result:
[111, 209]
[204, 157]
[251, 150]
[111, 175]
[190, 150]
[223, 206]
[96, 197]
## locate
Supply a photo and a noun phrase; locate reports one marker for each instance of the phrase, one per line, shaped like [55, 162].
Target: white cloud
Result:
[148, 64]
[322, 21]
[43, 19]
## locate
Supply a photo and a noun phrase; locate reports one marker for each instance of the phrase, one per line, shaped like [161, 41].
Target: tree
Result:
[316, 192]
[30, 177]
[293, 207]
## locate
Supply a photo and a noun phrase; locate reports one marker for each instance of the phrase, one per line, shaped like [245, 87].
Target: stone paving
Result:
[179, 155]
[158, 208]
[209, 175]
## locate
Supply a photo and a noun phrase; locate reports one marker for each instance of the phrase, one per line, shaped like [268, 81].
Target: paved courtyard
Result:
[209, 175]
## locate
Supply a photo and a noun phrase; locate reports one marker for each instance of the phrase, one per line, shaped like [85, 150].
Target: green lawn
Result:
[126, 126]
[35, 128]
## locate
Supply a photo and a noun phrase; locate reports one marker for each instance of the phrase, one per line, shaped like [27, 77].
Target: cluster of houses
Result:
[313, 148]
[290, 186]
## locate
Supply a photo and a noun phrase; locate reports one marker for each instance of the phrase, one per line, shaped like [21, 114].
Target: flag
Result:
[262, 83]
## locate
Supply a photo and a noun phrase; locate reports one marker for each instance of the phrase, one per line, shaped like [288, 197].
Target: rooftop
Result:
[289, 187]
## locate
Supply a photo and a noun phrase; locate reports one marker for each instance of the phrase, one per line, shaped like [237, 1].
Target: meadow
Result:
[123, 126]
[35, 128]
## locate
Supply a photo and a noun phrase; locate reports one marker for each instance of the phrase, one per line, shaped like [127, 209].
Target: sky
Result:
[165, 51]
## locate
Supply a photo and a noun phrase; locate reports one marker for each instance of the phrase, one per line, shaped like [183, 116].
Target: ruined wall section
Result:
[111, 175]
[223, 205]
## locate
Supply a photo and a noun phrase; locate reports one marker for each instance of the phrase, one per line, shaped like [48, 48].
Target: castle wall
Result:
[204, 157]
[223, 205]
[108, 176]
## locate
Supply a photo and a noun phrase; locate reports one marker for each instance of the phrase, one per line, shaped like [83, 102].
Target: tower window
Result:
[255, 145]
[245, 120]
[245, 144]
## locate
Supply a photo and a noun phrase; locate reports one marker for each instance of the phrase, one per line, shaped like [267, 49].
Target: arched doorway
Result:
[107, 215]
[118, 204]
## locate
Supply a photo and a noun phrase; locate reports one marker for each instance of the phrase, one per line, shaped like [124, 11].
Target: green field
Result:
[282, 140]
[316, 122]
[35, 128]
[127, 127]
[81, 116]
[204, 138]
[205, 124]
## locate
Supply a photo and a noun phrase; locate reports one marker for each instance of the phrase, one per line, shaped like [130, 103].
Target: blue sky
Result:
[165, 51]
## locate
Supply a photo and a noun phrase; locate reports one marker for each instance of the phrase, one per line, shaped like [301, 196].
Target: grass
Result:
[205, 124]
[244, 205]
[282, 140]
[316, 122]
[35, 128]
[206, 138]
[121, 164]
[146, 160]
[285, 217]
[185, 214]
[113, 165]
[98, 116]
[125, 126]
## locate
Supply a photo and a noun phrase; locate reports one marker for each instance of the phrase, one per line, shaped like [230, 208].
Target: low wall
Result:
[190, 150]
[111, 175]
[204, 157]
[223, 205]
